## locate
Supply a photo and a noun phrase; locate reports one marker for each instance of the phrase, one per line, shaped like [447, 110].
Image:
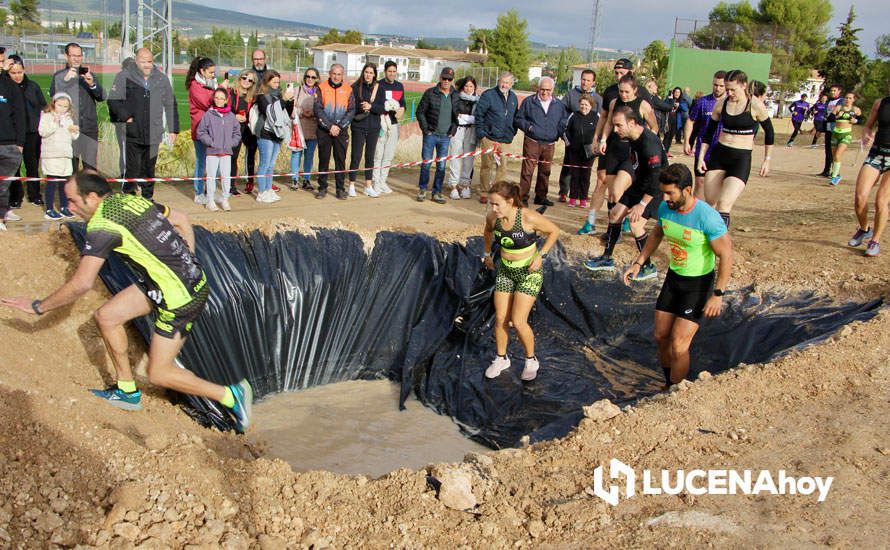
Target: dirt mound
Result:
[73, 471]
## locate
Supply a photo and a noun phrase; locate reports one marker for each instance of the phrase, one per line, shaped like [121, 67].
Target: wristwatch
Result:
[719, 292]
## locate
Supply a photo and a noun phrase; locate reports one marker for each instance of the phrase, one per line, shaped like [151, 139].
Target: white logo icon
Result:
[616, 469]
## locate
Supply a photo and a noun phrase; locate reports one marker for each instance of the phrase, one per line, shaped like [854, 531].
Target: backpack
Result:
[278, 123]
[255, 120]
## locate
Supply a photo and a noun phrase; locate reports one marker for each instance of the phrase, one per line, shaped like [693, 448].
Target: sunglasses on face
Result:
[247, 79]
[310, 76]
[446, 78]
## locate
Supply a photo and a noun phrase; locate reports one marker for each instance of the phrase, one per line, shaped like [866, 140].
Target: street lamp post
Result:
[245, 39]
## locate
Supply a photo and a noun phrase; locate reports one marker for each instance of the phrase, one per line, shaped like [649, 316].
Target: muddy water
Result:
[356, 428]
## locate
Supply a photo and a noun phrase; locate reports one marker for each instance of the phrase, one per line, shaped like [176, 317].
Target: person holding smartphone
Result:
[83, 86]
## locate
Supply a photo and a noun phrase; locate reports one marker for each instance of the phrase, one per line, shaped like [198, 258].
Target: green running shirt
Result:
[689, 234]
[140, 232]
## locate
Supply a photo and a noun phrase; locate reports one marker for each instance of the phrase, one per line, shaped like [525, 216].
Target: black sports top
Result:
[882, 135]
[650, 159]
[634, 105]
[516, 238]
[741, 124]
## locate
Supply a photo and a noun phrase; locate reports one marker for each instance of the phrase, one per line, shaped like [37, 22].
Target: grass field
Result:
[181, 94]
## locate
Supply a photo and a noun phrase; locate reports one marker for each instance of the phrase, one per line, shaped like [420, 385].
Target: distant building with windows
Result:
[413, 64]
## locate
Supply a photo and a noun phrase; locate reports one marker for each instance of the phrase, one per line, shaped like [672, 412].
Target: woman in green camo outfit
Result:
[519, 272]
[844, 117]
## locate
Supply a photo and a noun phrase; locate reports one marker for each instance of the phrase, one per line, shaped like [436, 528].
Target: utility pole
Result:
[154, 25]
[595, 24]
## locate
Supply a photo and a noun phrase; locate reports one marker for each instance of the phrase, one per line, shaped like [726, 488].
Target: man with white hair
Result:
[542, 118]
[494, 115]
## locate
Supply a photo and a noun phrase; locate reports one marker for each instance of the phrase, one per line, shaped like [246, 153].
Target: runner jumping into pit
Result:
[697, 235]
[729, 165]
[640, 201]
[519, 273]
[876, 168]
[844, 117]
[158, 243]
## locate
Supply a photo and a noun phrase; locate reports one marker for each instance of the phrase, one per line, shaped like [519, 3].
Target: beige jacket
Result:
[56, 147]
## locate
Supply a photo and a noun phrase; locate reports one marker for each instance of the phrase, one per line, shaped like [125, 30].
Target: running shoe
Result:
[648, 271]
[321, 193]
[224, 204]
[835, 180]
[275, 187]
[860, 236]
[201, 199]
[243, 394]
[342, 194]
[352, 190]
[790, 144]
[600, 263]
[455, 194]
[586, 229]
[439, 198]
[2, 226]
[307, 185]
[65, 212]
[465, 192]
[120, 399]
[562, 197]
[261, 196]
[211, 205]
[52, 215]
[12, 217]
[273, 196]
[295, 185]
[383, 189]
[234, 191]
[571, 202]
[421, 195]
[874, 248]
[248, 187]
[499, 365]
[369, 191]
[530, 372]
[583, 204]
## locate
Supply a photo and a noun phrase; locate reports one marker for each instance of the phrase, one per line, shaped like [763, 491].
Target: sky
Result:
[561, 23]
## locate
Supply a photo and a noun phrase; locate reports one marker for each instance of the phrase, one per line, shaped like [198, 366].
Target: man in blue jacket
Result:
[495, 113]
[542, 118]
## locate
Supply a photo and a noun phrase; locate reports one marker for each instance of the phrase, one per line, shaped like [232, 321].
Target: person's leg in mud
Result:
[673, 335]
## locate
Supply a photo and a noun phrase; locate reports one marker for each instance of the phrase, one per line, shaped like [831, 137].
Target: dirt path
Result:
[73, 471]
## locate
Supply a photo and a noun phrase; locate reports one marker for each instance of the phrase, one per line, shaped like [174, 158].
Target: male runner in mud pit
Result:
[158, 243]
[697, 235]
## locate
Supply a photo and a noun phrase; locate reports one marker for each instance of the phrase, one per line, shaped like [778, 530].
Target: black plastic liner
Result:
[295, 311]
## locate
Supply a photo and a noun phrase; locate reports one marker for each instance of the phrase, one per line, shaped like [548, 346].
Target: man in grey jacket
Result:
[542, 118]
[85, 90]
[143, 98]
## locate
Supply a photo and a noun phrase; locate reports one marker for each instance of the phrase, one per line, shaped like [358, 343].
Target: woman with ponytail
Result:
[520, 273]
[200, 81]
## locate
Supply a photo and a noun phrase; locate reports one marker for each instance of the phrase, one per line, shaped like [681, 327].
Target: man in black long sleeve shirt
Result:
[12, 138]
[85, 91]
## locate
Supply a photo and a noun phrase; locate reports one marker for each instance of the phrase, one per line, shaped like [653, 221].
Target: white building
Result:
[413, 64]
[535, 71]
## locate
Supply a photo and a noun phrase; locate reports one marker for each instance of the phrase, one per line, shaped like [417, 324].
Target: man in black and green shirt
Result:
[158, 243]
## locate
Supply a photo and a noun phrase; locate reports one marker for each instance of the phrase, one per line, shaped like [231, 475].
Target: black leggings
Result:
[796, 126]
[30, 158]
[363, 138]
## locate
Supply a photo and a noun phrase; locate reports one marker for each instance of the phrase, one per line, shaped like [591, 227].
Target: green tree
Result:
[253, 41]
[3, 14]
[793, 31]
[882, 46]
[844, 64]
[352, 37]
[509, 45]
[424, 45]
[331, 37]
[655, 62]
[874, 86]
[25, 13]
[567, 58]
[479, 39]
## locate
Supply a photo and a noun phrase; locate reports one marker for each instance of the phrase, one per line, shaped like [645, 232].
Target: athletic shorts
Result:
[634, 195]
[819, 125]
[617, 158]
[695, 160]
[838, 138]
[181, 319]
[685, 296]
[512, 279]
[879, 158]
[735, 162]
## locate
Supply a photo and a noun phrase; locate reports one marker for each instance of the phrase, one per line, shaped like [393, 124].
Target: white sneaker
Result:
[383, 189]
[2, 226]
[272, 196]
[352, 190]
[12, 217]
[530, 372]
[200, 199]
[497, 366]
[465, 192]
[369, 191]
[455, 194]
[261, 196]
[211, 206]
[224, 204]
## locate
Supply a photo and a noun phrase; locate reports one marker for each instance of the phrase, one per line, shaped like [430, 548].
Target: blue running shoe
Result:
[120, 399]
[873, 249]
[65, 212]
[52, 215]
[600, 263]
[860, 237]
[586, 229]
[835, 180]
[243, 394]
[648, 271]
[625, 227]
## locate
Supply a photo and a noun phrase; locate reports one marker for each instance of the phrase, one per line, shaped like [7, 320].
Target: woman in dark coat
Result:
[35, 101]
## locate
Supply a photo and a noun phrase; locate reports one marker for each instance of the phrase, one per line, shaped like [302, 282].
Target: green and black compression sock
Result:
[613, 233]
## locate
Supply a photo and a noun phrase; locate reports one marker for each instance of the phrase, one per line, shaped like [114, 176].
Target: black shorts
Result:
[617, 158]
[634, 195]
[735, 162]
[685, 296]
[170, 321]
[819, 125]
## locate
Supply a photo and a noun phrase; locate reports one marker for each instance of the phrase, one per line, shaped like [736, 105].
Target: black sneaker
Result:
[37, 202]
[321, 193]
[342, 194]
[544, 202]
[234, 192]
[307, 186]
[17, 204]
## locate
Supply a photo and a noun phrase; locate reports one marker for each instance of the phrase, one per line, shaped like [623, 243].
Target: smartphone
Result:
[83, 70]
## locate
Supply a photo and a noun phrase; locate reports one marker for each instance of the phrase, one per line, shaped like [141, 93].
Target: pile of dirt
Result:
[74, 471]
